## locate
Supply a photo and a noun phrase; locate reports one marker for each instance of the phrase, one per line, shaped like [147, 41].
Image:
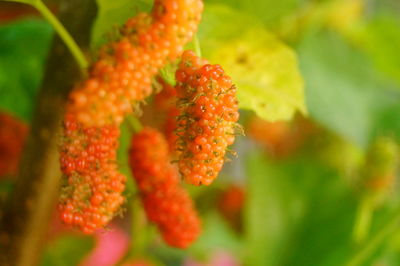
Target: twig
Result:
[25, 219]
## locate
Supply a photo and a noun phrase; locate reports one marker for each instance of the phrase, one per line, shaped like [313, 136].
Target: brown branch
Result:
[26, 215]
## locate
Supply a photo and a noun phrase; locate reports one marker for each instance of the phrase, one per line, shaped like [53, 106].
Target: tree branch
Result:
[25, 218]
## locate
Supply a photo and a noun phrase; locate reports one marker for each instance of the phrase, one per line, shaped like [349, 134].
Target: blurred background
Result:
[315, 179]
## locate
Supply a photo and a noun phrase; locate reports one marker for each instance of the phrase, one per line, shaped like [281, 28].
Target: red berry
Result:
[166, 203]
[91, 193]
[209, 112]
[230, 204]
[119, 77]
[123, 71]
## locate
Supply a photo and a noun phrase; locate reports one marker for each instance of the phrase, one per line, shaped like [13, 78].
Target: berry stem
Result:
[28, 209]
[59, 28]
[365, 251]
[63, 33]
[197, 47]
[363, 219]
[134, 123]
[29, 2]
[139, 231]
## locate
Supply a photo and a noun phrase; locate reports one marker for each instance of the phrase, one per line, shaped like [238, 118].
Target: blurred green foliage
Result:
[380, 38]
[23, 49]
[344, 92]
[292, 213]
[67, 250]
[299, 210]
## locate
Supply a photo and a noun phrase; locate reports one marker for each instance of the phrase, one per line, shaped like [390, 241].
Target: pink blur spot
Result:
[110, 247]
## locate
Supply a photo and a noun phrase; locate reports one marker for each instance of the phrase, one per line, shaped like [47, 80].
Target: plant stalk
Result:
[25, 218]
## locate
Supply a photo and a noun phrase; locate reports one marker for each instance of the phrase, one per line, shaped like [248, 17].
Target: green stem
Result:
[370, 247]
[63, 33]
[363, 219]
[134, 123]
[29, 2]
[139, 233]
[59, 28]
[197, 47]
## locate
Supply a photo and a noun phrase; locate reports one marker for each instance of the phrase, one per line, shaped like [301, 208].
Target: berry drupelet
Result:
[166, 204]
[92, 185]
[207, 121]
[123, 72]
[120, 76]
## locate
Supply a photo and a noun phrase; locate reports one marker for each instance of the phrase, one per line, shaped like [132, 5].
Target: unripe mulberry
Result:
[123, 71]
[92, 185]
[166, 203]
[119, 77]
[12, 138]
[207, 123]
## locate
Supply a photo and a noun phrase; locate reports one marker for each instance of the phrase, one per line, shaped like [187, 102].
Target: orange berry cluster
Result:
[121, 76]
[12, 138]
[166, 203]
[123, 72]
[91, 193]
[165, 102]
[209, 112]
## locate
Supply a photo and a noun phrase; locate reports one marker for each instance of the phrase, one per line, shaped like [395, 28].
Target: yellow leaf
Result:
[266, 73]
[264, 69]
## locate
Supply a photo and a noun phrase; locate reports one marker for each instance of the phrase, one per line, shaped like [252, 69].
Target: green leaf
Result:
[112, 14]
[263, 68]
[381, 40]
[67, 250]
[344, 92]
[23, 49]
